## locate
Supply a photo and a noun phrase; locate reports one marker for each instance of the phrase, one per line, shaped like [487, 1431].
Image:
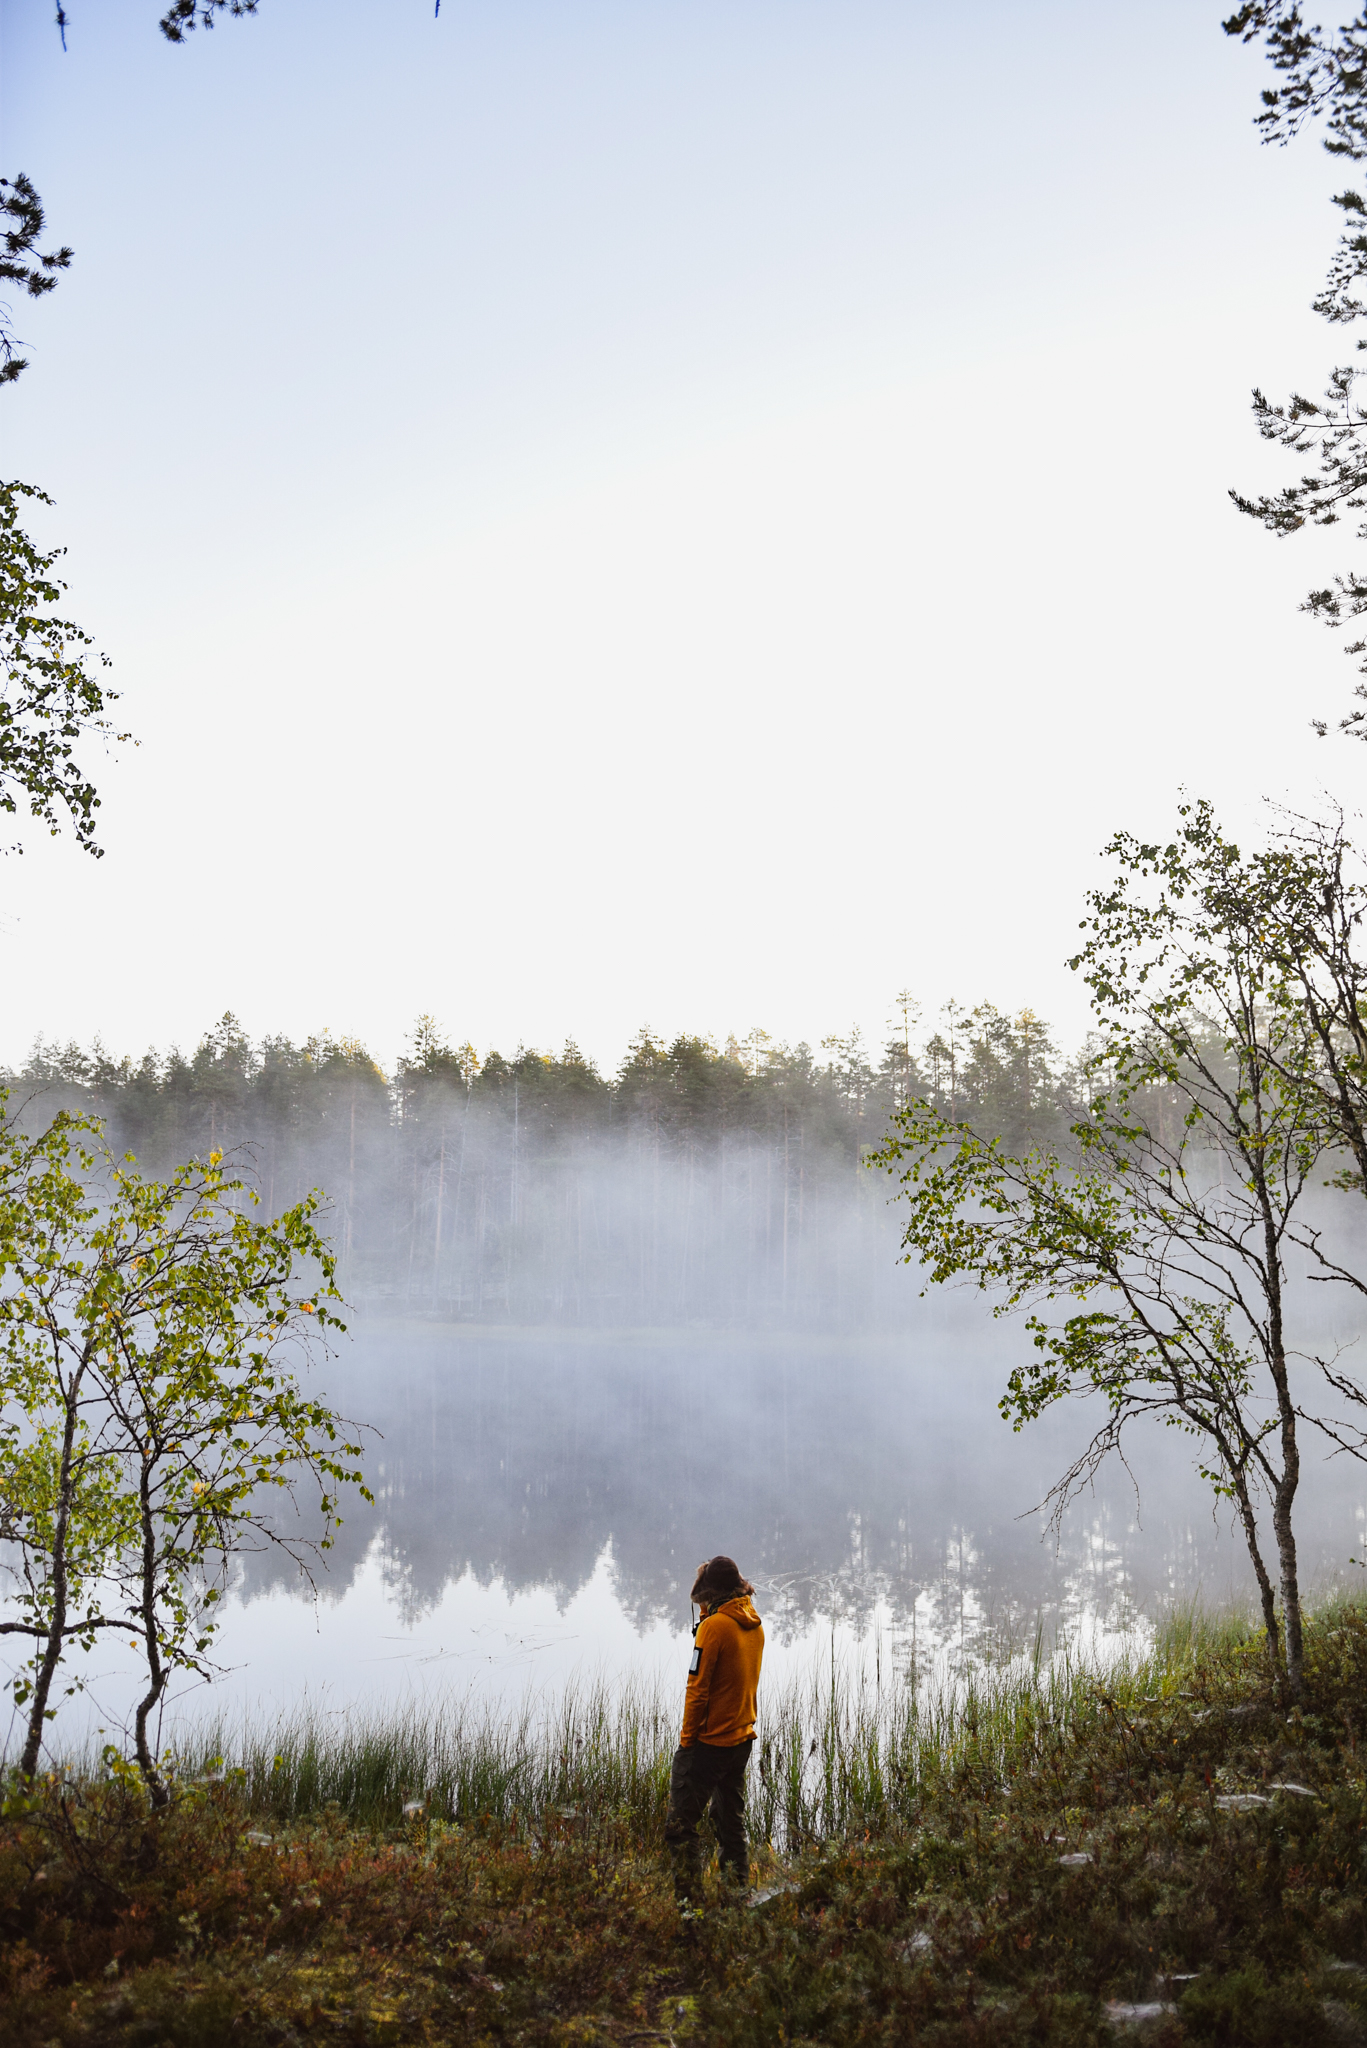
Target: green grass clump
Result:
[1024, 1856]
[839, 1753]
[596, 1748]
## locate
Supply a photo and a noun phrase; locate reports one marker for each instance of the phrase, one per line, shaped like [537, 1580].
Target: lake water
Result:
[542, 1500]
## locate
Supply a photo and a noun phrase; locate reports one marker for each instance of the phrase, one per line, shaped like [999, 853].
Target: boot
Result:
[735, 1874]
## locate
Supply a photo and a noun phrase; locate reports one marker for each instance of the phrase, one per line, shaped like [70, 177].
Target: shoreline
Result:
[1042, 1858]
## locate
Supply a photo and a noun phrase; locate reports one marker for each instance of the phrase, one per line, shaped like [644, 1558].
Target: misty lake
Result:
[543, 1497]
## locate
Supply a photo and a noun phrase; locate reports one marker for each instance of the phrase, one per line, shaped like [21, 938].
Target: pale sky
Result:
[702, 514]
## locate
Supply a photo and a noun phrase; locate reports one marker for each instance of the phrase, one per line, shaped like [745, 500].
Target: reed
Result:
[593, 1748]
[841, 1752]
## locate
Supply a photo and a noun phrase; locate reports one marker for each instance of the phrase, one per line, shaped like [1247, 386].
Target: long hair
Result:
[718, 1580]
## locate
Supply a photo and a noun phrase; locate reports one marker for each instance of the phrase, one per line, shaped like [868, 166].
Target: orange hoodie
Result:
[723, 1678]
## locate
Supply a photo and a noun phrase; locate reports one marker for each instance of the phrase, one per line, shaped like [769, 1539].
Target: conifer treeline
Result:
[697, 1184]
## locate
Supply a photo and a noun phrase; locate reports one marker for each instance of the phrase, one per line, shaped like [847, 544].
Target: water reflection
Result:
[870, 1479]
[542, 1500]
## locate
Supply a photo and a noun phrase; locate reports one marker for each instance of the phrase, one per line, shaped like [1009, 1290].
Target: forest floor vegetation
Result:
[1165, 1851]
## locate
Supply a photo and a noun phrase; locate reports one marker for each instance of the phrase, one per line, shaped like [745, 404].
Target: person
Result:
[718, 1728]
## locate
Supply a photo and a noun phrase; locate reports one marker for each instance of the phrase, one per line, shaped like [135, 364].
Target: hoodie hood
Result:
[741, 1610]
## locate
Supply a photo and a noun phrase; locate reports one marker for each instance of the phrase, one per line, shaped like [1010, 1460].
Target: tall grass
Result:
[840, 1752]
[593, 1747]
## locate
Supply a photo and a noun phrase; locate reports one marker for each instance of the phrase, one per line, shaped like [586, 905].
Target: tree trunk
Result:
[1284, 1493]
[56, 1635]
[1266, 1592]
[156, 1673]
[1286, 1555]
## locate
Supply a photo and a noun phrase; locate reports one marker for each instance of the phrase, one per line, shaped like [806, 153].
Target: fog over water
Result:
[542, 1498]
[603, 1329]
[855, 1479]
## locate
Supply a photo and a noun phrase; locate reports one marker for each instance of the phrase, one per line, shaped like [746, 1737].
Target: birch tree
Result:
[152, 1336]
[1160, 1254]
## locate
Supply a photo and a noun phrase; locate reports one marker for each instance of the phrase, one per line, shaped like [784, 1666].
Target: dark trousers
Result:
[708, 1775]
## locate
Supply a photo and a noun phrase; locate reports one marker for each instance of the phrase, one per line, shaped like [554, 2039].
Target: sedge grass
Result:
[840, 1752]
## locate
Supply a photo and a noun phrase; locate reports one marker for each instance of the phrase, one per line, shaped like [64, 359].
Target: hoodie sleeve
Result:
[697, 1697]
